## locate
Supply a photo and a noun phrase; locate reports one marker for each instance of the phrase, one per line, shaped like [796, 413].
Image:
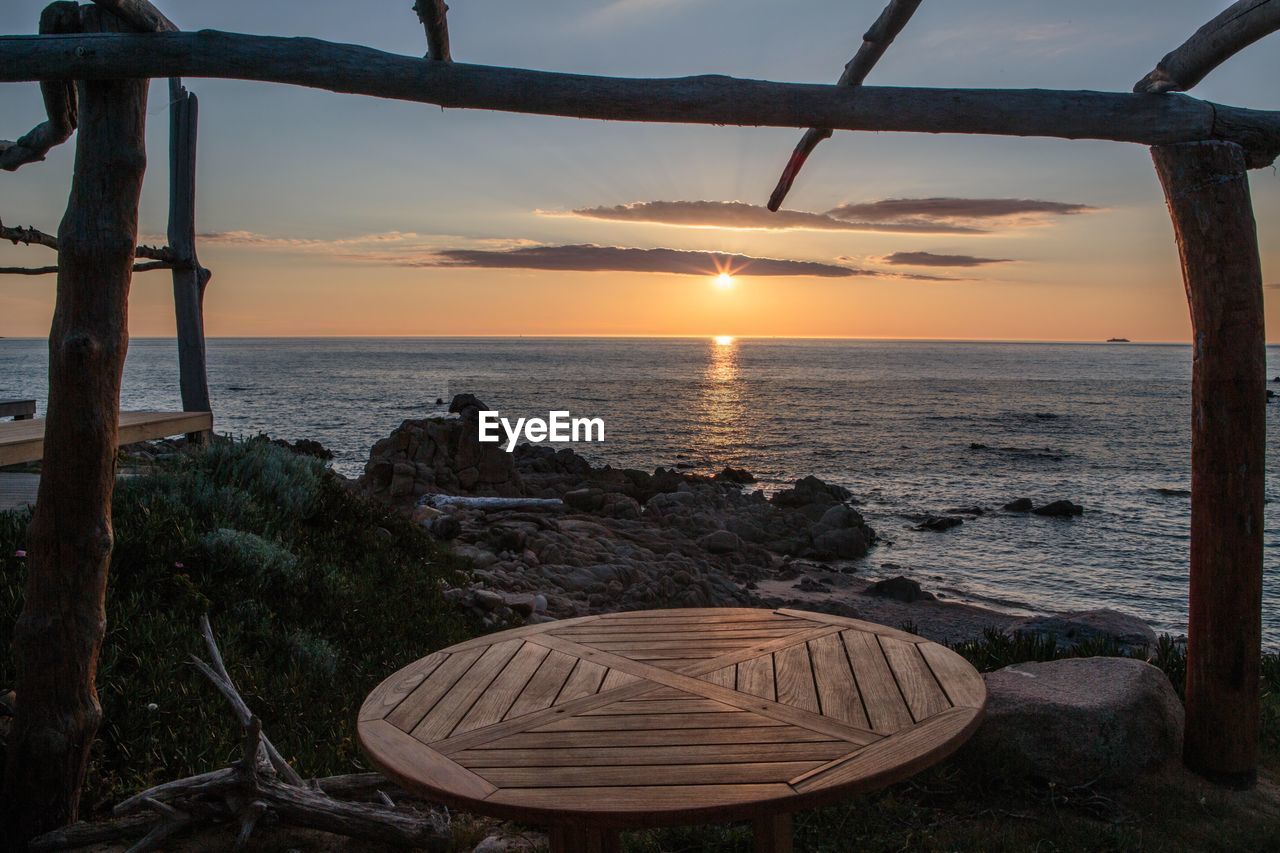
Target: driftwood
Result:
[141, 15]
[32, 237]
[59, 100]
[433, 14]
[150, 266]
[189, 279]
[876, 41]
[261, 785]
[690, 100]
[1239, 25]
[1208, 194]
[59, 633]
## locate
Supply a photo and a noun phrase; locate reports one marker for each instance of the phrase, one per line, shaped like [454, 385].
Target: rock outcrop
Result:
[1085, 626]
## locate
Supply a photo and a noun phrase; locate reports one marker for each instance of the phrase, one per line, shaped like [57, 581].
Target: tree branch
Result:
[30, 236]
[876, 41]
[139, 14]
[713, 100]
[432, 14]
[59, 100]
[1240, 25]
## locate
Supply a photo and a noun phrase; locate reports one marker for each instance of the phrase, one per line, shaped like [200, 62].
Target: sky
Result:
[326, 214]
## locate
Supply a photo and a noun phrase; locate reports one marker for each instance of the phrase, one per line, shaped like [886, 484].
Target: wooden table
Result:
[664, 717]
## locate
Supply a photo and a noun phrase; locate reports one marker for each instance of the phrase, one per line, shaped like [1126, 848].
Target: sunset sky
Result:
[328, 214]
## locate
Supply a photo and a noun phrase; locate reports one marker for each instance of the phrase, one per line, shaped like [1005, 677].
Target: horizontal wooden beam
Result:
[1235, 28]
[34, 237]
[148, 266]
[716, 100]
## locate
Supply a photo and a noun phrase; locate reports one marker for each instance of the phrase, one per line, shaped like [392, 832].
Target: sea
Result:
[911, 427]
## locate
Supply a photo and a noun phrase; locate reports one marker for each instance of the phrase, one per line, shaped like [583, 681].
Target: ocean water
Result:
[910, 427]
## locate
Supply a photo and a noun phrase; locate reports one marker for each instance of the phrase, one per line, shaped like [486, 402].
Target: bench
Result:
[23, 440]
[19, 410]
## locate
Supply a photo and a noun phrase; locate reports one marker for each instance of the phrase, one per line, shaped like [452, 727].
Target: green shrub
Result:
[312, 606]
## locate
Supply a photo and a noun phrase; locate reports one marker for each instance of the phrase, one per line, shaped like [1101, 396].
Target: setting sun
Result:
[724, 340]
[724, 281]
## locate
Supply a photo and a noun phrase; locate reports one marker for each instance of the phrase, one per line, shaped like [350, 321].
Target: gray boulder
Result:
[1082, 626]
[720, 542]
[901, 589]
[1079, 721]
[1059, 509]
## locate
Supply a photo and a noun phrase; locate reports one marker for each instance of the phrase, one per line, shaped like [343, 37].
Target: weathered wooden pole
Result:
[1207, 190]
[189, 278]
[59, 634]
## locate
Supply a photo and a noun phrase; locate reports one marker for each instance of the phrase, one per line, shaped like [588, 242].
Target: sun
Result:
[724, 340]
[724, 281]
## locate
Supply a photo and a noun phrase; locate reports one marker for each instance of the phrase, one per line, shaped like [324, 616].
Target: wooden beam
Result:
[1238, 26]
[874, 43]
[433, 15]
[1207, 190]
[713, 100]
[58, 636]
[150, 266]
[59, 100]
[190, 279]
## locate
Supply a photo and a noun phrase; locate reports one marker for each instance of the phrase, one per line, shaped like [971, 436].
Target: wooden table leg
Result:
[584, 839]
[773, 834]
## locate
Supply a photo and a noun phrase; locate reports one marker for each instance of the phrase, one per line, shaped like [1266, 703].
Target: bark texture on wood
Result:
[59, 635]
[876, 41]
[32, 237]
[190, 279]
[59, 100]
[140, 15]
[147, 267]
[690, 100]
[434, 17]
[1207, 190]
[1237, 27]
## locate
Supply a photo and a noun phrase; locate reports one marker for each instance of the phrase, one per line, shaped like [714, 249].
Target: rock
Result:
[939, 523]
[423, 514]
[1079, 721]
[737, 476]
[1059, 509]
[974, 510]
[487, 599]
[1071, 629]
[1019, 505]
[810, 490]
[439, 401]
[847, 543]
[444, 527]
[305, 447]
[977, 445]
[720, 542]
[900, 589]
[521, 603]
[585, 500]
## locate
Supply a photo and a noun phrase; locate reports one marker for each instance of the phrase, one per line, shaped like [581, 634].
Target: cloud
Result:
[740, 215]
[929, 259]
[592, 258]
[1273, 286]
[252, 238]
[1007, 212]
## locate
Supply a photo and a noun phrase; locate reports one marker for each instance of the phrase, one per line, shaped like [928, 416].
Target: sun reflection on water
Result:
[721, 404]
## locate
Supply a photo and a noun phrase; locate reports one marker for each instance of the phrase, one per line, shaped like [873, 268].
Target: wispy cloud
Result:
[929, 259]
[252, 238]
[742, 216]
[592, 258]
[950, 210]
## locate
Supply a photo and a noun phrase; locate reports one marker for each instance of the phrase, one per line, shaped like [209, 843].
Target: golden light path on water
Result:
[722, 407]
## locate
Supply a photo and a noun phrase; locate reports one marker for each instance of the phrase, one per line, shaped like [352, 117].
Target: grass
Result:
[315, 595]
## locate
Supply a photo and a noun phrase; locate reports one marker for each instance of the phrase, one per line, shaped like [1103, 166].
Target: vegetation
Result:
[315, 594]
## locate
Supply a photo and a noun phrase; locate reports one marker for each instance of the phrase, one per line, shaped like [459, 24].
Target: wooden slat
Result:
[794, 676]
[660, 737]
[23, 441]
[882, 699]
[894, 757]
[623, 801]
[687, 647]
[644, 774]
[595, 756]
[638, 722]
[924, 697]
[763, 647]
[837, 692]
[846, 622]
[390, 693]
[545, 686]
[416, 705]
[616, 678]
[687, 705]
[408, 762]
[963, 686]
[588, 634]
[685, 654]
[446, 713]
[585, 680]
[727, 677]
[718, 615]
[21, 409]
[494, 703]
[755, 677]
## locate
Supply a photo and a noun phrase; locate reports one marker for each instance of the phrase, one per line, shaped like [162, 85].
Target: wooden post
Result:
[189, 278]
[1207, 190]
[59, 634]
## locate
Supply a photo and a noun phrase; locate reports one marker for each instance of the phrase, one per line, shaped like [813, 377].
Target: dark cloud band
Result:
[736, 214]
[929, 259]
[591, 258]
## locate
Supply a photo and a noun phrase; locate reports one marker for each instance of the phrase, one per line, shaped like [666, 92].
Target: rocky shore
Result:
[554, 537]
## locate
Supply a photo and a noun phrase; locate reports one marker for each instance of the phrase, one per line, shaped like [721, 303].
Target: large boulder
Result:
[1078, 721]
[1086, 626]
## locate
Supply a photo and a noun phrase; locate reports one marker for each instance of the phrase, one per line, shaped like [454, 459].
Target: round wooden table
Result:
[663, 717]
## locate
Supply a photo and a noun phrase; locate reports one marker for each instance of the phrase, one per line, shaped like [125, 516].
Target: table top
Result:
[670, 716]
